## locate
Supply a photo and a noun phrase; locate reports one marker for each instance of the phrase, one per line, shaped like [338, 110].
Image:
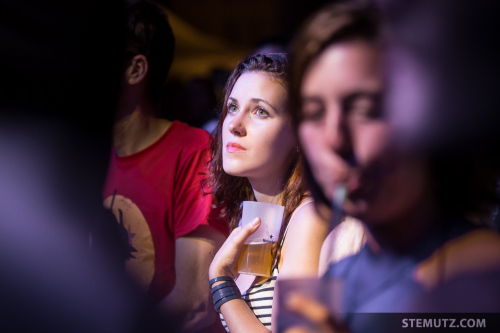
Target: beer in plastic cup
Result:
[256, 258]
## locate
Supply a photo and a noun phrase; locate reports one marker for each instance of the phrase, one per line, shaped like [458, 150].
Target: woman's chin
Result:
[234, 172]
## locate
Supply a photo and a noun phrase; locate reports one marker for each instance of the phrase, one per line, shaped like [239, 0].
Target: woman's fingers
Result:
[226, 259]
[233, 233]
[241, 236]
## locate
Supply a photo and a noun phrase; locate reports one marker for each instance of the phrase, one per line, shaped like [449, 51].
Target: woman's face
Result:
[345, 136]
[256, 135]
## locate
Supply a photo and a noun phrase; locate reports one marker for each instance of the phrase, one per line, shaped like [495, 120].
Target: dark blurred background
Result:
[211, 37]
[60, 65]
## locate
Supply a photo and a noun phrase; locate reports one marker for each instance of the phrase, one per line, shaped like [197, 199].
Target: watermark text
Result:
[444, 323]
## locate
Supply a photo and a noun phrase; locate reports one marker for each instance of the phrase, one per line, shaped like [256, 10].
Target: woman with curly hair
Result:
[255, 158]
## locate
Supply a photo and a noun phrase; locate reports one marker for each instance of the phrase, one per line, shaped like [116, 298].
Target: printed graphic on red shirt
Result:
[139, 264]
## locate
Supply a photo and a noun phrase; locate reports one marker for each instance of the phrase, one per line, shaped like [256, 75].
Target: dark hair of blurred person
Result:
[153, 186]
[416, 205]
[443, 73]
[150, 34]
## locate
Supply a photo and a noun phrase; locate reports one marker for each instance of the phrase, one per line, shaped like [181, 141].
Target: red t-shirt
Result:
[159, 199]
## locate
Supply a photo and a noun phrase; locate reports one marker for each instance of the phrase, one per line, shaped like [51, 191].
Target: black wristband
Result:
[225, 293]
[223, 285]
[219, 278]
[224, 300]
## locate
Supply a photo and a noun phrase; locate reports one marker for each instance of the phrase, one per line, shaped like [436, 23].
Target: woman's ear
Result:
[137, 70]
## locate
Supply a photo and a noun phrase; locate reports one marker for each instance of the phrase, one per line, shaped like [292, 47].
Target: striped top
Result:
[259, 297]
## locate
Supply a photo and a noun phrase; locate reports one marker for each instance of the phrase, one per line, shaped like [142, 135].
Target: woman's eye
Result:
[262, 112]
[363, 107]
[312, 114]
[361, 111]
[232, 108]
[312, 109]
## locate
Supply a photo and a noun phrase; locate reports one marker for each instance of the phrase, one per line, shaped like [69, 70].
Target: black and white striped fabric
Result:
[259, 299]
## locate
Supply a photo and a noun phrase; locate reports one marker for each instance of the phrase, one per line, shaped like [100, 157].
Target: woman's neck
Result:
[266, 190]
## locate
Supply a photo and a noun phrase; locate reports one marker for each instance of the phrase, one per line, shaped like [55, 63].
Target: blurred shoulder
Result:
[474, 252]
[343, 241]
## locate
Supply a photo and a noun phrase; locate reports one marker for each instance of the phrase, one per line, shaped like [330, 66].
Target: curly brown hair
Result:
[230, 191]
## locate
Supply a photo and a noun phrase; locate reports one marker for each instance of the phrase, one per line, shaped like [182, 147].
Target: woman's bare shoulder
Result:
[306, 232]
[305, 210]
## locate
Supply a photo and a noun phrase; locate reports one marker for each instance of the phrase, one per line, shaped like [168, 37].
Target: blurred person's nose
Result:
[336, 132]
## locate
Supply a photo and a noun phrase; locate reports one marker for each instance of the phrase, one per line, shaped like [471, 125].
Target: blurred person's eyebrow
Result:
[350, 96]
[310, 99]
[362, 94]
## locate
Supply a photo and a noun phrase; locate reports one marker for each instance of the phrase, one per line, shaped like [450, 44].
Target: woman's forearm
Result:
[240, 318]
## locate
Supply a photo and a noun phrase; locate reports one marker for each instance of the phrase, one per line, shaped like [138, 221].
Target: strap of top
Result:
[291, 218]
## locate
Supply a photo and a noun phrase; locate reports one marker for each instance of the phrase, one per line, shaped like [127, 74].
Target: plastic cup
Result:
[256, 258]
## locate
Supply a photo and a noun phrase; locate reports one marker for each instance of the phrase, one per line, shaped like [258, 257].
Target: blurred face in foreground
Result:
[346, 138]
[257, 136]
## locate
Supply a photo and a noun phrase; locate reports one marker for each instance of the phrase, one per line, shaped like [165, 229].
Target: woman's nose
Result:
[236, 125]
[337, 133]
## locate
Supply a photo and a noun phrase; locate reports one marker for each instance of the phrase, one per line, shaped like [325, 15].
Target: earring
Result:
[298, 149]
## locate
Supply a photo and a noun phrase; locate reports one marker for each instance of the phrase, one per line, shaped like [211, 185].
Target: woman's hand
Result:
[226, 259]
[314, 312]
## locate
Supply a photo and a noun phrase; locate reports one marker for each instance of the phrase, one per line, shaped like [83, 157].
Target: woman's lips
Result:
[234, 147]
